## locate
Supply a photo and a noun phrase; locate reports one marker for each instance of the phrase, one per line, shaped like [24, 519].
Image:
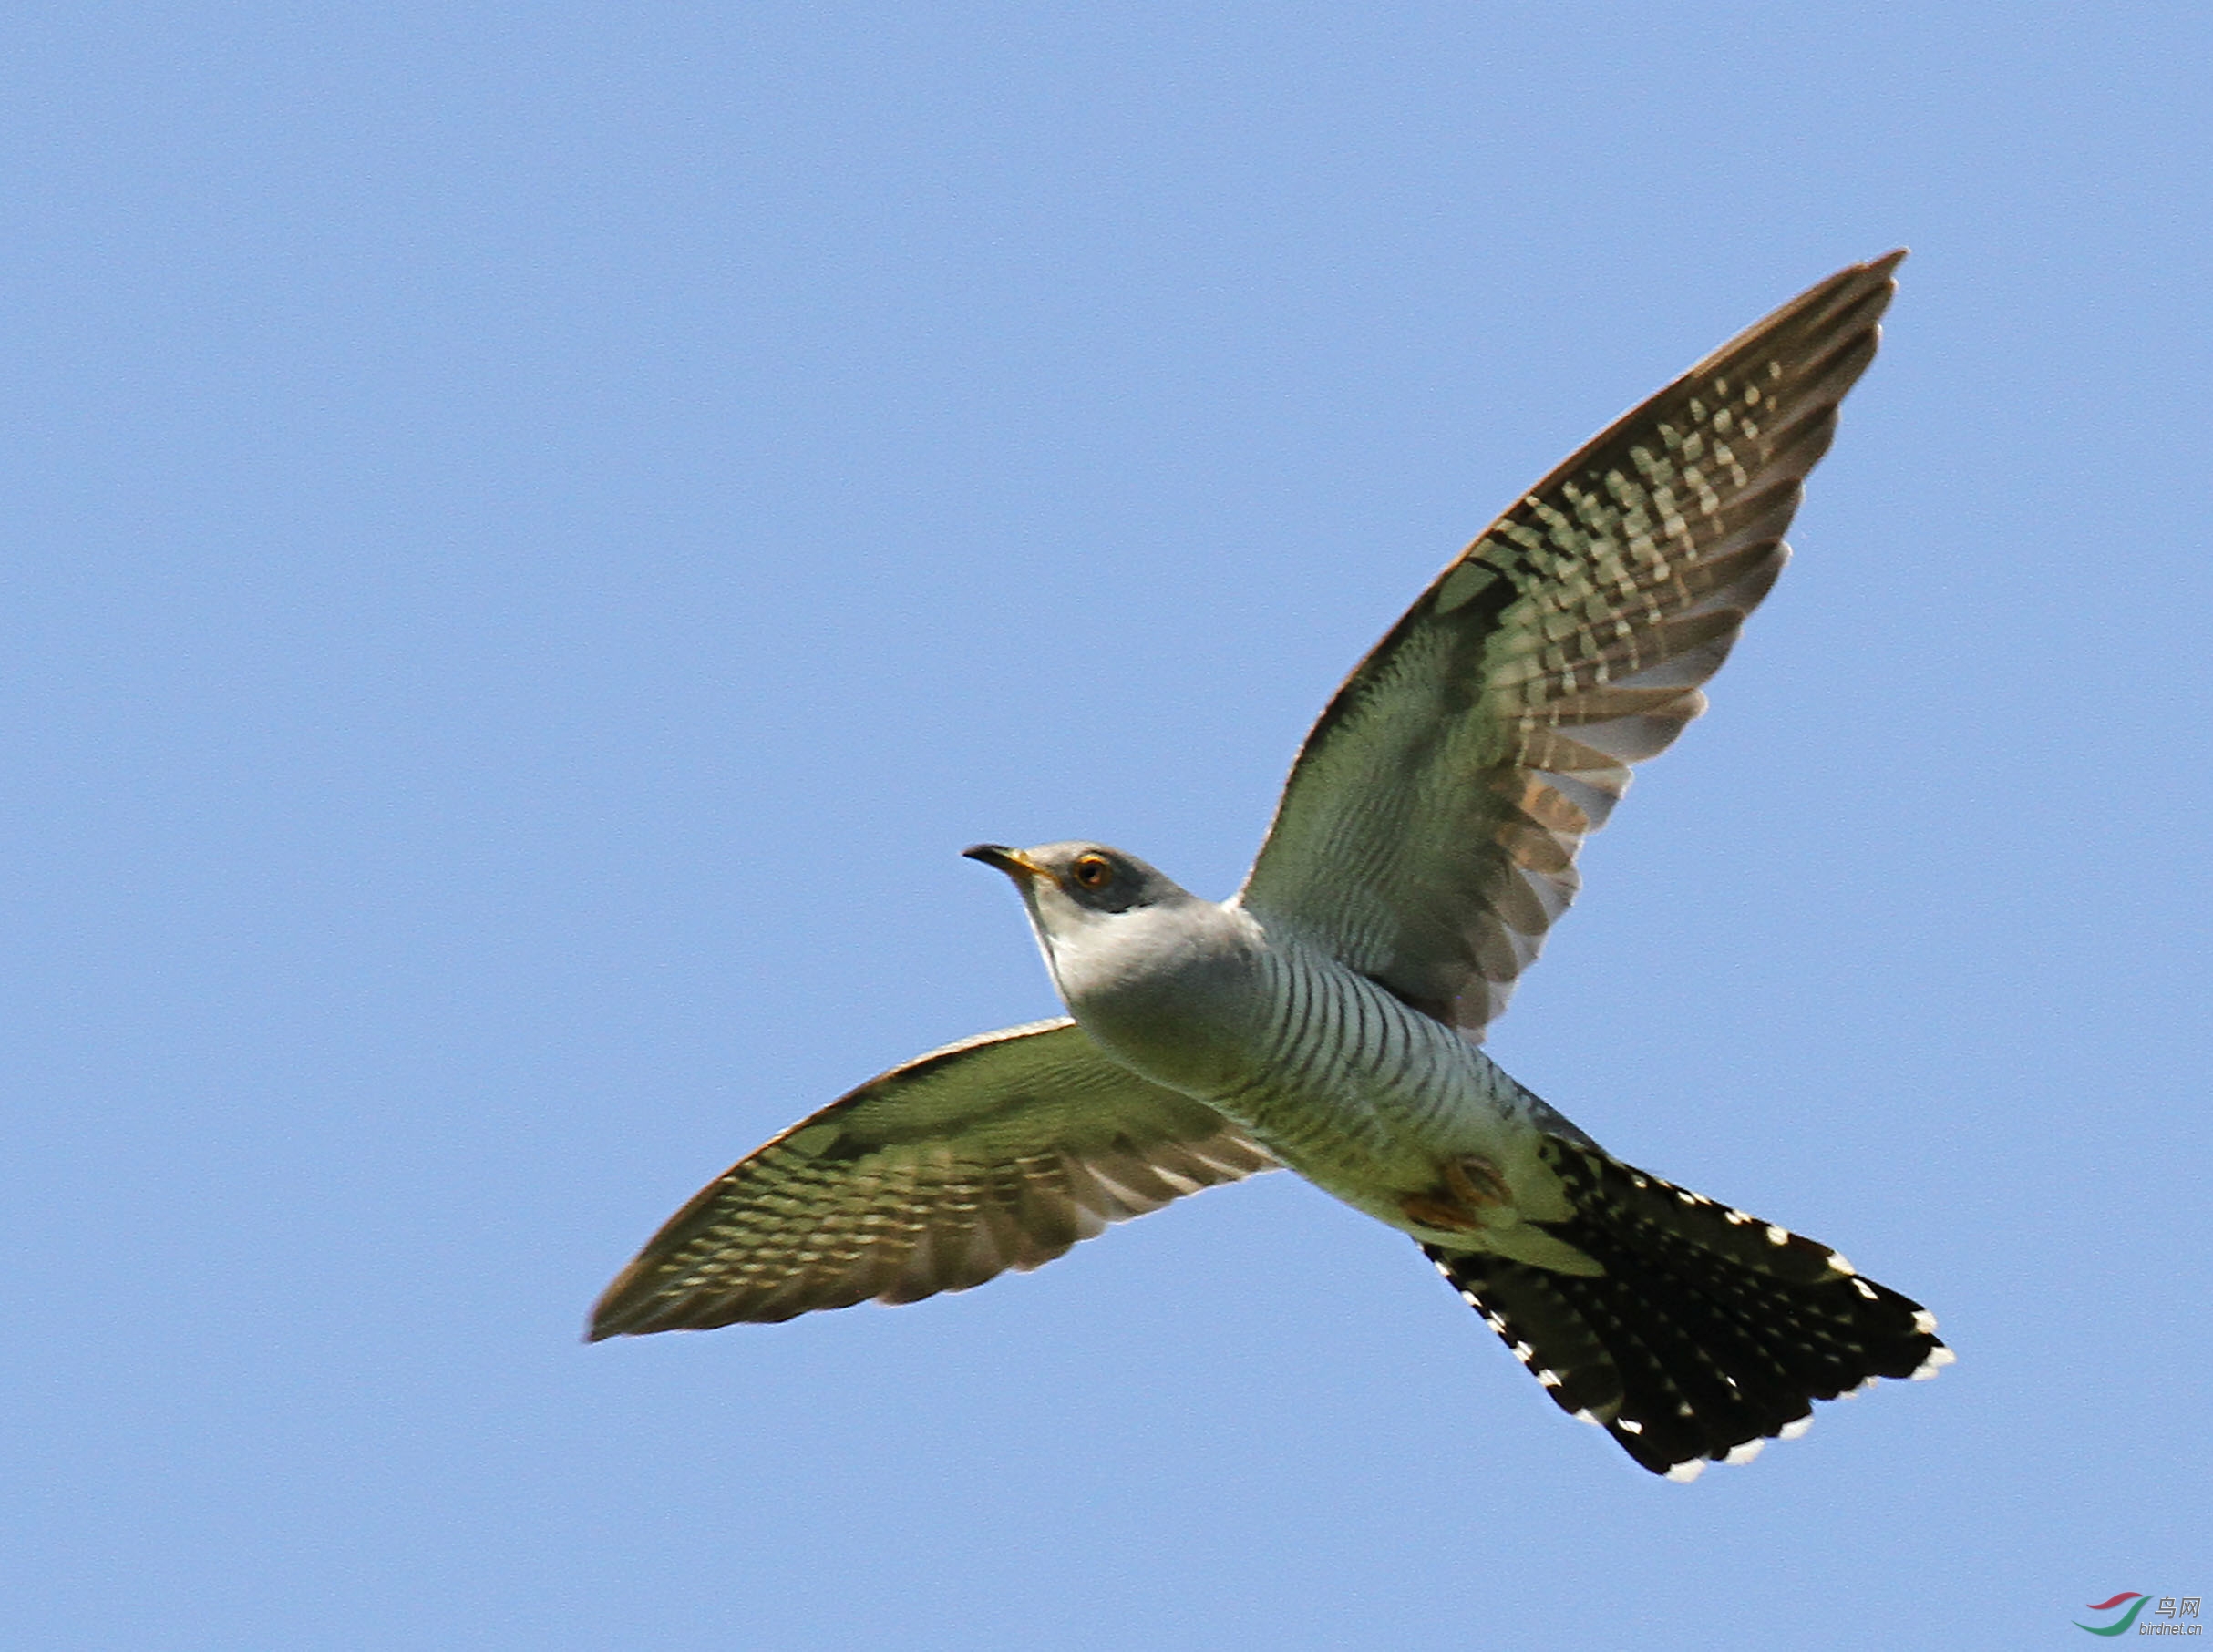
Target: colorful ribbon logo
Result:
[2119, 1626]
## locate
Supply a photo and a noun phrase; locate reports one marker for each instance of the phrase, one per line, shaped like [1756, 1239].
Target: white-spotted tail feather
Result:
[1709, 1330]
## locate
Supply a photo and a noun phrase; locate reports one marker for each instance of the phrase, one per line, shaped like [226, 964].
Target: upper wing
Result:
[998, 1151]
[1427, 834]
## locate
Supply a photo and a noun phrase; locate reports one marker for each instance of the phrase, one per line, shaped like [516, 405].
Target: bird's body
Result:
[1326, 1017]
[1371, 1101]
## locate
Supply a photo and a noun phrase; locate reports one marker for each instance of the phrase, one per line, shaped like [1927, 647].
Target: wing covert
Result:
[998, 1151]
[1428, 834]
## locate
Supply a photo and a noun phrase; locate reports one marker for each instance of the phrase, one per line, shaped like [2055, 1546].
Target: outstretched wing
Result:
[1427, 836]
[995, 1153]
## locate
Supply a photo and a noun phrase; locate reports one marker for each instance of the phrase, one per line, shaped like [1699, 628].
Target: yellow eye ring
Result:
[1092, 871]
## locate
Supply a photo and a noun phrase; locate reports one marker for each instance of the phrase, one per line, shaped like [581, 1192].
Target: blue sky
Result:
[534, 536]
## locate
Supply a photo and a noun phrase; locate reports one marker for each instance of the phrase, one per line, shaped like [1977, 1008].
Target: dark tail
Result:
[1709, 1330]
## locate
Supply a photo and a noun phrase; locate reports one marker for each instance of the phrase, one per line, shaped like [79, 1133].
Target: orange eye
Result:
[1093, 871]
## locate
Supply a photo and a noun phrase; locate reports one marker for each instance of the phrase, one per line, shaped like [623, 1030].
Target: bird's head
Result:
[1149, 970]
[1071, 887]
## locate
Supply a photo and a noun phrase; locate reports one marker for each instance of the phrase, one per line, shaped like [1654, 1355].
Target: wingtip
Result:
[615, 1314]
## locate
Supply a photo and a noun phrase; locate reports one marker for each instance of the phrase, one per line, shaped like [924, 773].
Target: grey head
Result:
[1103, 918]
[1071, 887]
[1146, 966]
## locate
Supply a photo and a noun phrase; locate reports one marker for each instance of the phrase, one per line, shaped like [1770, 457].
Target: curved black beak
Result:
[1013, 862]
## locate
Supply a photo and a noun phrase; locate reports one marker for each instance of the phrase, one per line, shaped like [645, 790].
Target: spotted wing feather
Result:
[1428, 832]
[997, 1153]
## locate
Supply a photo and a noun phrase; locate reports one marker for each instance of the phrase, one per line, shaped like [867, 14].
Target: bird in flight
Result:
[1327, 1018]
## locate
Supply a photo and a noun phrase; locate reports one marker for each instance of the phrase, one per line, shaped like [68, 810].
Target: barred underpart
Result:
[1710, 1330]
